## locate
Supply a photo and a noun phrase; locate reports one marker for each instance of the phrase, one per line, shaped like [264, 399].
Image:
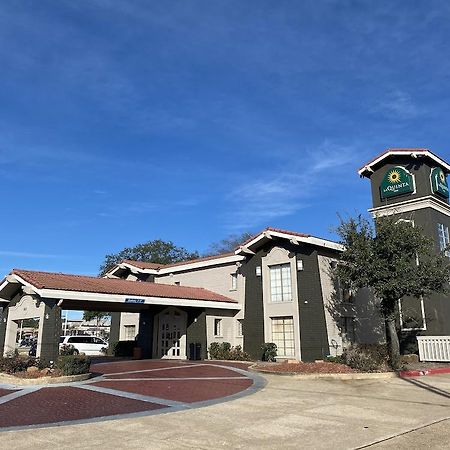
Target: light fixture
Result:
[299, 264]
[258, 271]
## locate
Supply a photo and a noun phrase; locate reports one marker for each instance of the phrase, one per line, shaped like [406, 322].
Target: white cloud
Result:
[283, 193]
[398, 104]
[29, 255]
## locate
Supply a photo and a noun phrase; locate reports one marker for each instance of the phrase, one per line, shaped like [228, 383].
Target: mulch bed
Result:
[301, 367]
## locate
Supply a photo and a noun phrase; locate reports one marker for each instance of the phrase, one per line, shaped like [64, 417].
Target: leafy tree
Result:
[95, 315]
[394, 259]
[157, 251]
[227, 244]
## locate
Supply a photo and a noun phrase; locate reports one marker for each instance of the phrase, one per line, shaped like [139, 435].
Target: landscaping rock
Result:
[32, 369]
[46, 371]
[412, 358]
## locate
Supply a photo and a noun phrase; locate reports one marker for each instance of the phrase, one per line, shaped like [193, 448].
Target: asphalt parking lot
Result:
[286, 413]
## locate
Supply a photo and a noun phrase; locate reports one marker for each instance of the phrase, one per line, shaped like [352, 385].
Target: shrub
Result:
[367, 357]
[124, 348]
[16, 364]
[227, 352]
[73, 364]
[269, 351]
[67, 350]
[335, 359]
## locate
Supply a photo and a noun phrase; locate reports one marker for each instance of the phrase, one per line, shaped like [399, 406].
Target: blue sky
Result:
[122, 122]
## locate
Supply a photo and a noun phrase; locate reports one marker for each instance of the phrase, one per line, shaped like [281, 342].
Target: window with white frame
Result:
[280, 283]
[217, 327]
[283, 335]
[444, 239]
[412, 314]
[233, 281]
[240, 329]
[130, 332]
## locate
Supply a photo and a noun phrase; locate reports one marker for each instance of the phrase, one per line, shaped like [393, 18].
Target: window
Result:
[412, 314]
[283, 335]
[130, 332]
[240, 329]
[217, 327]
[444, 239]
[348, 329]
[280, 283]
[233, 281]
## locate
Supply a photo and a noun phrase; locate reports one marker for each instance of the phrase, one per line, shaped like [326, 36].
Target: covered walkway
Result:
[171, 317]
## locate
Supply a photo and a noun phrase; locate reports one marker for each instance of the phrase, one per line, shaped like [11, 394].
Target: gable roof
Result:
[293, 236]
[367, 168]
[162, 269]
[96, 285]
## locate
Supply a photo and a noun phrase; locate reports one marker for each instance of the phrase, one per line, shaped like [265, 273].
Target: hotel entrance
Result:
[170, 339]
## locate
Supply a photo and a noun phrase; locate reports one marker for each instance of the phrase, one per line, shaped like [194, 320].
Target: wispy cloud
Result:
[398, 104]
[285, 192]
[15, 254]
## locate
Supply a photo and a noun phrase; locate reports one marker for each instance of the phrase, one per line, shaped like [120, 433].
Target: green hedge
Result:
[226, 351]
[73, 364]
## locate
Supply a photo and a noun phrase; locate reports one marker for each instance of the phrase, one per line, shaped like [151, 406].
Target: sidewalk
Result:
[287, 413]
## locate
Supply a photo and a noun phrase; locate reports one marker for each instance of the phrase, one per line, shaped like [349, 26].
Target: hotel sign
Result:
[396, 181]
[439, 182]
[135, 300]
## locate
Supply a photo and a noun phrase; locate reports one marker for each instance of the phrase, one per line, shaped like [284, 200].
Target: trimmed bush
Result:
[73, 364]
[16, 364]
[227, 352]
[67, 350]
[124, 348]
[367, 357]
[269, 351]
[334, 359]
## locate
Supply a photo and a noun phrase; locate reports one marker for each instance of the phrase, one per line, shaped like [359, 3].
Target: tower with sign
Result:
[412, 184]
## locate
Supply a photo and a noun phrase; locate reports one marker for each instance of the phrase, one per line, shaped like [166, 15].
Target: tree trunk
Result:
[392, 341]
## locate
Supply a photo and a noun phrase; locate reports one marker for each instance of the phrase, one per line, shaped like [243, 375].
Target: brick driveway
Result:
[126, 388]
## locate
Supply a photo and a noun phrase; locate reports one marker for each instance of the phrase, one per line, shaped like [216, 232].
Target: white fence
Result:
[434, 348]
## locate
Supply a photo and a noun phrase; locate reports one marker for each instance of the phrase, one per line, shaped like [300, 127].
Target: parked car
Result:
[89, 345]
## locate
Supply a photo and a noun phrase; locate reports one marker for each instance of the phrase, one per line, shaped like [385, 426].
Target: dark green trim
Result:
[114, 331]
[145, 336]
[196, 330]
[51, 331]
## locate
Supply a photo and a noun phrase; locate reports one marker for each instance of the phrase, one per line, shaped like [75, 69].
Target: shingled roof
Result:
[82, 283]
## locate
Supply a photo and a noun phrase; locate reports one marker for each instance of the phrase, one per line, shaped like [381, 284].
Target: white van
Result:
[89, 345]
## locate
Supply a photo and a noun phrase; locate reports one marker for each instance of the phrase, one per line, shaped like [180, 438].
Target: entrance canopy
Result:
[93, 293]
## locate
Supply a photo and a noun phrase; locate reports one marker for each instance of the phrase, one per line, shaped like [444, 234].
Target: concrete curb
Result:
[423, 372]
[331, 376]
[10, 379]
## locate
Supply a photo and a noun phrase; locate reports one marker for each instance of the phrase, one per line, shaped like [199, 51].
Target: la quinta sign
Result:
[439, 182]
[396, 181]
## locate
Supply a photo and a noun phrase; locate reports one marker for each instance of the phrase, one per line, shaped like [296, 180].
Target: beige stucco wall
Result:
[128, 319]
[216, 279]
[28, 307]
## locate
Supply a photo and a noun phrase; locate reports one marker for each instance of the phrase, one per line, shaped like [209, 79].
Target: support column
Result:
[114, 333]
[196, 331]
[3, 322]
[50, 331]
[145, 336]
